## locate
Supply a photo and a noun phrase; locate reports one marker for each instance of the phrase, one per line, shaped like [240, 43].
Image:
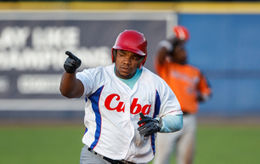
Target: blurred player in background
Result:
[126, 104]
[190, 87]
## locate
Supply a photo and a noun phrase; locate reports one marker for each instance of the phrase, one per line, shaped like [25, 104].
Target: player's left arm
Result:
[204, 89]
[170, 115]
[171, 123]
[166, 124]
[169, 118]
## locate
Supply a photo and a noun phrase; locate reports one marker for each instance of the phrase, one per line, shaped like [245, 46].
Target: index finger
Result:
[142, 115]
[71, 55]
[141, 122]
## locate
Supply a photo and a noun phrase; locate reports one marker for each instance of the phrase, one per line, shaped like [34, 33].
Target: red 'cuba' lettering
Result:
[120, 107]
[135, 108]
[146, 109]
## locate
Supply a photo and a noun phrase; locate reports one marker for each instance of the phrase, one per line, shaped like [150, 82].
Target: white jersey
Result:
[112, 112]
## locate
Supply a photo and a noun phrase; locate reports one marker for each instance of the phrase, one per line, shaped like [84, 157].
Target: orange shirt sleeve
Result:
[161, 69]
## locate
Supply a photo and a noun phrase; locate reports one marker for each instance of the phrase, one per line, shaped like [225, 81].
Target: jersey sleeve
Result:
[162, 70]
[158, 68]
[88, 79]
[169, 102]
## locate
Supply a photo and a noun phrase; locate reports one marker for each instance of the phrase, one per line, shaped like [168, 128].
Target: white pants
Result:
[183, 142]
[87, 157]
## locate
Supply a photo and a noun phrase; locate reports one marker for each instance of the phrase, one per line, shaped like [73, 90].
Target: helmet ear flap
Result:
[144, 60]
[113, 55]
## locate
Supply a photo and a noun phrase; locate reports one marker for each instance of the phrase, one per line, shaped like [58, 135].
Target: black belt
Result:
[186, 113]
[111, 160]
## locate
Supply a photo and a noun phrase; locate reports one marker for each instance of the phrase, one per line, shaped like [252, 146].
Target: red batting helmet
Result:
[181, 32]
[133, 41]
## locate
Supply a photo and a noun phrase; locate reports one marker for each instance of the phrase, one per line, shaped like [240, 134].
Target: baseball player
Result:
[190, 87]
[126, 104]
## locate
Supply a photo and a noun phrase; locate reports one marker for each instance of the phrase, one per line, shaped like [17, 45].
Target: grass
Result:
[40, 145]
[62, 145]
[228, 145]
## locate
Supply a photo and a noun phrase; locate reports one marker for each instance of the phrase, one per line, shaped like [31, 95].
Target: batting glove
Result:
[71, 63]
[148, 125]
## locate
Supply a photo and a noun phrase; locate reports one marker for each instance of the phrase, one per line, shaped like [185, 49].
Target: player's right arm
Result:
[164, 48]
[161, 57]
[70, 86]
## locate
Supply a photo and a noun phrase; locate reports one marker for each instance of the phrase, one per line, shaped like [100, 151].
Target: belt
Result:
[112, 161]
[186, 113]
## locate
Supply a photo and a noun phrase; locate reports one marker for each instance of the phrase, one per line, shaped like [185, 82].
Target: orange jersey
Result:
[186, 81]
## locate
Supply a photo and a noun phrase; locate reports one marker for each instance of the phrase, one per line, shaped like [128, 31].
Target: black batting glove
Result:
[71, 63]
[148, 125]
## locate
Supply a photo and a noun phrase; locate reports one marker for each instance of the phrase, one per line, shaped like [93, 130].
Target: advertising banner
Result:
[32, 46]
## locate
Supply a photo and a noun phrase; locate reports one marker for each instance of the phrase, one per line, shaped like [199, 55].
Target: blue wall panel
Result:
[227, 49]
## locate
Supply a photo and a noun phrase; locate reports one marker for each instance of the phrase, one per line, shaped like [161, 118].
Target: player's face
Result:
[127, 63]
